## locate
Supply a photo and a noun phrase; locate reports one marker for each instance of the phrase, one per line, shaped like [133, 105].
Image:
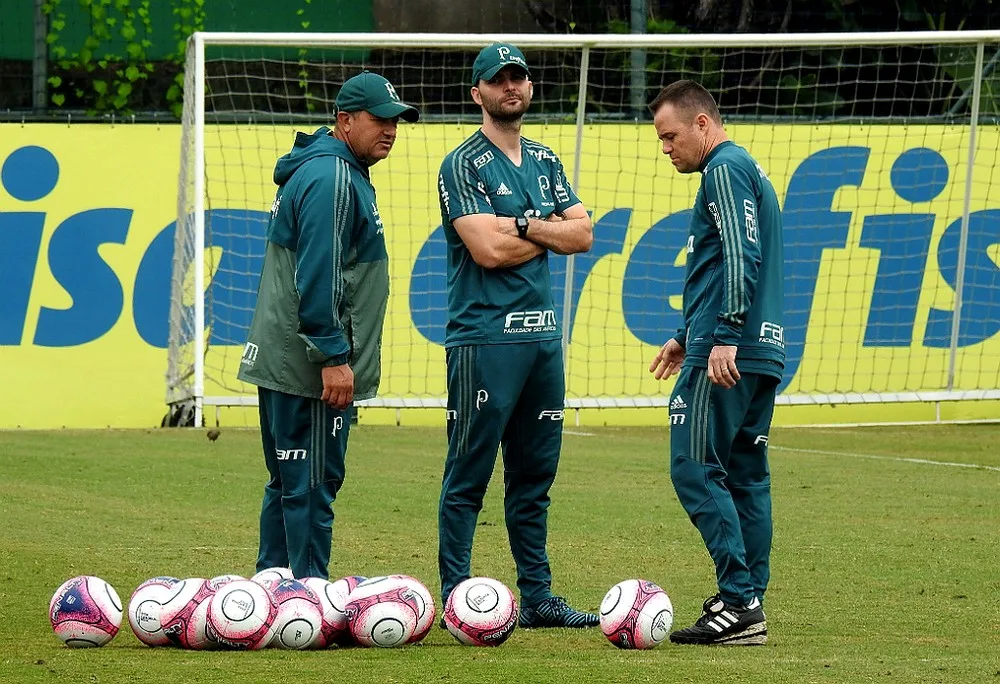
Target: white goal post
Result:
[875, 142]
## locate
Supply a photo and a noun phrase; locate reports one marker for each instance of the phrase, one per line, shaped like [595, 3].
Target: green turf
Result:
[883, 570]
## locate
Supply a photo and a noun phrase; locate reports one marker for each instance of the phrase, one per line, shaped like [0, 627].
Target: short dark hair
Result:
[690, 96]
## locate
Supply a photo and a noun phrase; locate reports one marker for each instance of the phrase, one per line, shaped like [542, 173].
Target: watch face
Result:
[521, 223]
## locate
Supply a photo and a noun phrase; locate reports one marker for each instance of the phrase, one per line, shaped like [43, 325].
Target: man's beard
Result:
[505, 117]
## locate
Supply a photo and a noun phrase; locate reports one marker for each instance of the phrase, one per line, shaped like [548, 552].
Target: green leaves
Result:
[109, 83]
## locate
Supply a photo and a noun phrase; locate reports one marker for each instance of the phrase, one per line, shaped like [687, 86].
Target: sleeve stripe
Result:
[341, 211]
[467, 201]
[737, 238]
[725, 231]
[732, 246]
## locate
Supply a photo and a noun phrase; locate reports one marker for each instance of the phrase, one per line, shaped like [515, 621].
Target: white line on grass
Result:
[579, 434]
[877, 457]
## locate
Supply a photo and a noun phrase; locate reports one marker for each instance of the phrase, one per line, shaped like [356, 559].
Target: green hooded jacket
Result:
[324, 285]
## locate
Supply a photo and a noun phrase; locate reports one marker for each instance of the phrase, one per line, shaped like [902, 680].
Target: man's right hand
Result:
[338, 386]
[668, 360]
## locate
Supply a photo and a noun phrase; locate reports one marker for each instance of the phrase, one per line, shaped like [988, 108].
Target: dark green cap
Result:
[372, 93]
[493, 58]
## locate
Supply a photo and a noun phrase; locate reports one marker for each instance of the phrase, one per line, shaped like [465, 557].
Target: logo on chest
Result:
[545, 188]
[380, 229]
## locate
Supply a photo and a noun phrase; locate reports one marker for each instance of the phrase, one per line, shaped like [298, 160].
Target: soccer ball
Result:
[271, 576]
[190, 626]
[333, 599]
[218, 581]
[636, 614]
[85, 611]
[481, 612]
[183, 615]
[300, 615]
[427, 611]
[241, 615]
[144, 609]
[382, 611]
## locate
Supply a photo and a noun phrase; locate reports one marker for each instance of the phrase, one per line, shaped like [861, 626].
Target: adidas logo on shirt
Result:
[504, 190]
[677, 404]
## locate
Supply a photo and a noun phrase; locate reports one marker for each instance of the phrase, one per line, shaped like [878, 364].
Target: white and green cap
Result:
[493, 58]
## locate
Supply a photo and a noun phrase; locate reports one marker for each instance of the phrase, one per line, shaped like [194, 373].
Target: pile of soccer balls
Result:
[272, 609]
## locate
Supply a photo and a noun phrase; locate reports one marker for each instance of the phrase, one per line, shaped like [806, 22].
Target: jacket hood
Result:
[308, 146]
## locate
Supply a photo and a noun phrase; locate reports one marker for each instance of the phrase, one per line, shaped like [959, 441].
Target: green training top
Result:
[733, 289]
[500, 305]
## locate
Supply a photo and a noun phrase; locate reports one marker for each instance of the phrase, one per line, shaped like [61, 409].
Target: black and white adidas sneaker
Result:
[726, 625]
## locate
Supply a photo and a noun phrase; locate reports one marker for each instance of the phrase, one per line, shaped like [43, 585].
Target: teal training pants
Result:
[511, 396]
[304, 446]
[718, 464]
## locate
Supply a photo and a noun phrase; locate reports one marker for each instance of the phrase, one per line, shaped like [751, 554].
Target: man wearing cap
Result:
[315, 340]
[505, 203]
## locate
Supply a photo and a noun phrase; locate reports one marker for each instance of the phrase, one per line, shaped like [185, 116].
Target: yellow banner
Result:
[872, 230]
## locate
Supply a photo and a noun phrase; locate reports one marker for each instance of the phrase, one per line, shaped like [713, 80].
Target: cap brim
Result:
[493, 71]
[389, 110]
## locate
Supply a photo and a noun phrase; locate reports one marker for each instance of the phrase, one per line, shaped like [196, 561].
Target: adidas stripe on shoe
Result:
[726, 625]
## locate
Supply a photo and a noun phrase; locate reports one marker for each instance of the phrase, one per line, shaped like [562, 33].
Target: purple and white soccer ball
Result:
[333, 600]
[271, 576]
[382, 612]
[241, 615]
[299, 621]
[145, 606]
[636, 614]
[85, 612]
[481, 611]
[184, 616]
[426, 610]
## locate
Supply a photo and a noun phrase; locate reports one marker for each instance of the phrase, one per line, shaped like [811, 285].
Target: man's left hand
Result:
[722, 366]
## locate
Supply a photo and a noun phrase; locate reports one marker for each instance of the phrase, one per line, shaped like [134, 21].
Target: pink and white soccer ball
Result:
[189, 627]
[220, 580]
[382, 611]
[271, 576]
[184, 616]
[481, 612]
[333, 598]
[145, 606]
[300, 615]
[426, 613]
[85, 612]
[636, 614]
[241, 615]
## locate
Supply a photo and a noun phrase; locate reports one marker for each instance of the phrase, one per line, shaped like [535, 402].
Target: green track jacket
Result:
[325, 282]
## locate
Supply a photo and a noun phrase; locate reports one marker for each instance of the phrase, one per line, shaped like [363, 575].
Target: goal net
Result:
[881, 147]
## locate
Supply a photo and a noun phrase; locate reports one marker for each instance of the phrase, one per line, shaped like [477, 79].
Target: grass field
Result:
[884, 569]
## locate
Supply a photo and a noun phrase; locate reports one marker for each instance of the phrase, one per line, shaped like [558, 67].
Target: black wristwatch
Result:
[521, 223]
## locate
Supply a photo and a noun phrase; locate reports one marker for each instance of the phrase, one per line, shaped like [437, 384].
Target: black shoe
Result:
[726, 625]
[555, 612]
[442, 624]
